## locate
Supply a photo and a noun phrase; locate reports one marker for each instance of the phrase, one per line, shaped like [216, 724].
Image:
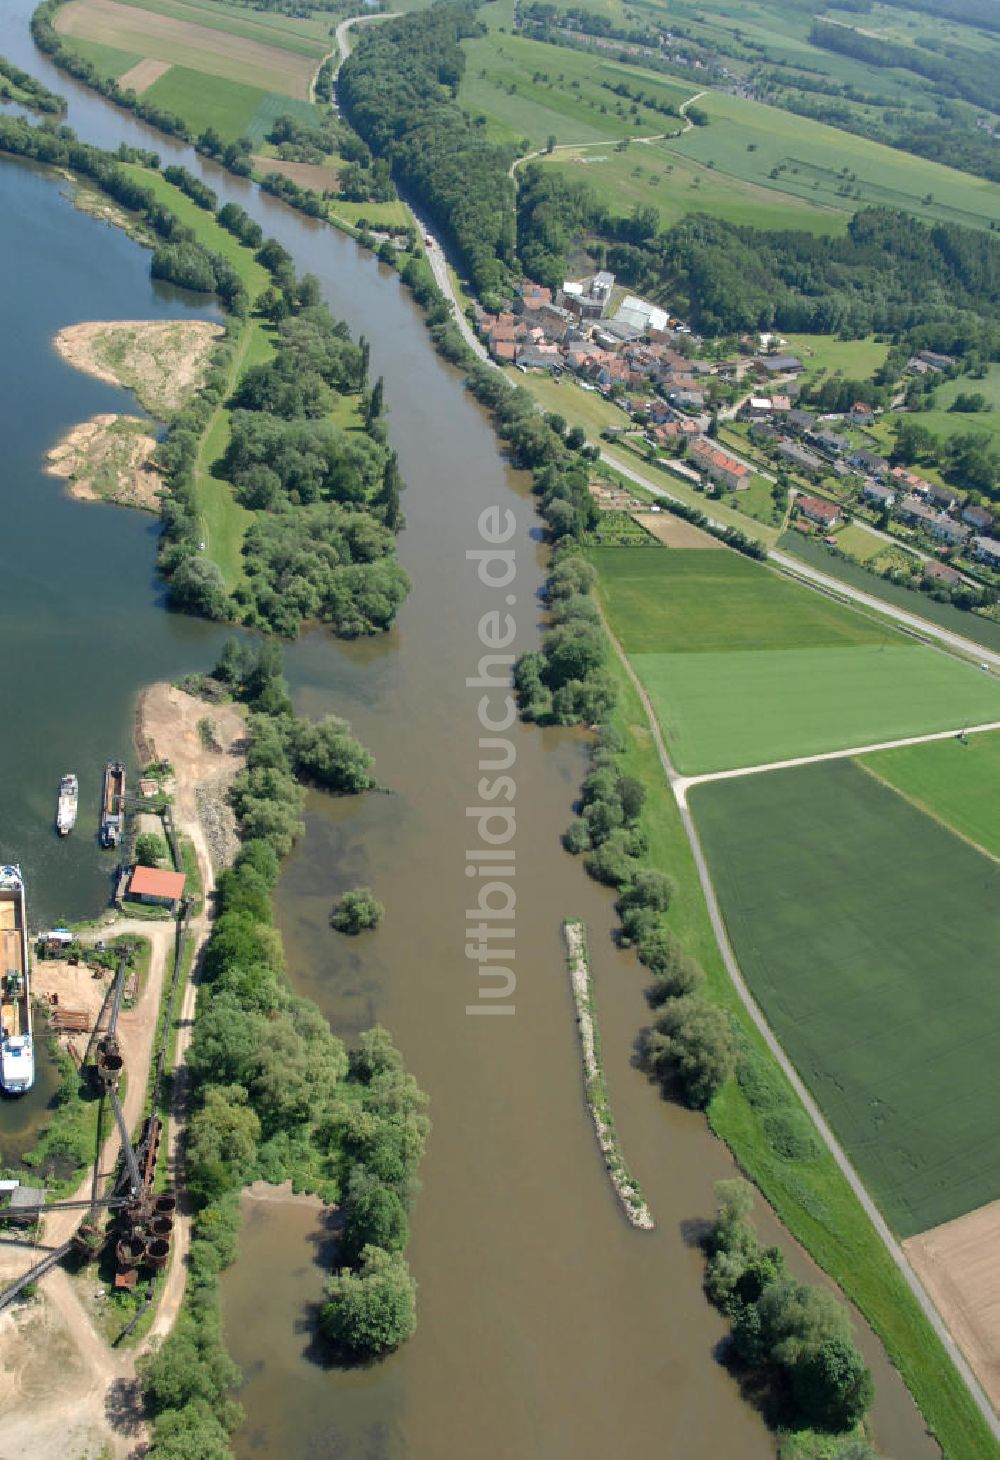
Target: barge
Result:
[113, 804]
[17, 1056]
[69, 795]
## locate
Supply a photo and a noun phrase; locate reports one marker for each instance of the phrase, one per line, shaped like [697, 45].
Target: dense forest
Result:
[398, 89]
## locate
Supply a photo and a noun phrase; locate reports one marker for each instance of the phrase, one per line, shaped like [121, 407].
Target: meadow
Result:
[826, 355]
[749, 140]
[942, 422]
[525, 88]
[842, 900]
[744, 667]
[646, 175]
[955, 782]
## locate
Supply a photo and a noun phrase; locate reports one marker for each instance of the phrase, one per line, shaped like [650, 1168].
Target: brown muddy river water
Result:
[548, 1328]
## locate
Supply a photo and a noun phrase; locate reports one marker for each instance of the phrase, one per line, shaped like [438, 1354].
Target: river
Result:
[548, 1327]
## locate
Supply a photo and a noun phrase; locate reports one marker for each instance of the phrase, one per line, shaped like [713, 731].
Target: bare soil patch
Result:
[315, 175]
[674, 532]
[109, 459]
[957, 1263]
[185, 43]
[64, 985]
[167, 721]
[140, 77]
[163, 360]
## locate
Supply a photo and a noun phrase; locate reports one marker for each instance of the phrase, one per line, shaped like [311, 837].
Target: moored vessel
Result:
[69, 795]
[113, 804]
[17, 1056]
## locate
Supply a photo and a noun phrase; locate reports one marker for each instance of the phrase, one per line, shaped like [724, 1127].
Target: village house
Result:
[829, 442]
[803, 460]
[154, 886]
[941, 573]
[799, 422]
[861, 414]
[771, 365]
[942, 497]
[828, 514]
[532, 297]
[755, 408]
[950, 530]
[763, 432]
[978, 518]
[878, 492]
[867, 461]
[987, 550]
[909, 481]
[721, 468]
[912, 509]
[503, 351]
[936, 361]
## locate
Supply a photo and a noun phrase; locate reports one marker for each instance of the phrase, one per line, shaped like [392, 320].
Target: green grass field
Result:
[824, 354]
[707, 601]
[942, 422]
[744, 667]
[811, 1196]
[228, 106]
[108, 60]
[958, 784]
[843, 903]
[675, 186]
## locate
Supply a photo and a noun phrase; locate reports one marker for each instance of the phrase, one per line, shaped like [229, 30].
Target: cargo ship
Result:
[69, 795]
[113, 804]
[17, 1057]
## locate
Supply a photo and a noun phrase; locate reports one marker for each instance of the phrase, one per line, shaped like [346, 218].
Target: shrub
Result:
[357, 910]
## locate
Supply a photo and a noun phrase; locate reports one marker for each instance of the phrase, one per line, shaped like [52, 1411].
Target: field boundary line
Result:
[934, 816]
[682, 784]
[756, 1015]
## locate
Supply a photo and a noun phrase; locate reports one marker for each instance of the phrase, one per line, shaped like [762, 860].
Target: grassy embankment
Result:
[745, 667]
[811, 1197]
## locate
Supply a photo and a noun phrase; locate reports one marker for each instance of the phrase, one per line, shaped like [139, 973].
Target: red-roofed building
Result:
[153, 885]
[723, 469]
[818, 510]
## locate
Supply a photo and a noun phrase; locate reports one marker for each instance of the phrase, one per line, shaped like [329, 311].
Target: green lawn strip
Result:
[586, 408]
[378, 215]
[721, 710]
[267, 32]
[957, 783]
[842, 902]
[270, 107]
[811, 1197]
[109, 60]
[971, 626]
[702, 599]
[207, 101]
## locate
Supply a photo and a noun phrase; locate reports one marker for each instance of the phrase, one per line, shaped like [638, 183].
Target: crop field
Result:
[747, 140]
[744, 667]
[956, 783]
[842, 902]
[110, 61]
[191, 44]
[228, 106]
[675, 186]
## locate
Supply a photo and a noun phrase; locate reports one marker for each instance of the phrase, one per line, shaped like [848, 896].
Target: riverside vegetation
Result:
[275, 1094]
[325, 499]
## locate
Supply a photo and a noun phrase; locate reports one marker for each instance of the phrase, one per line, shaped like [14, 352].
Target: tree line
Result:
[399, 88]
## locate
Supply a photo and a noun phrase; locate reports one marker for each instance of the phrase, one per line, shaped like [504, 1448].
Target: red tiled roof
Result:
[153, 882]
[816, 507]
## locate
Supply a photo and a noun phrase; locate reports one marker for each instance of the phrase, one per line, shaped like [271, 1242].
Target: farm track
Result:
[677, 785]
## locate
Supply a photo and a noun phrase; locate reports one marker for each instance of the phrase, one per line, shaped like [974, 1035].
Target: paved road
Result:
[822, 581]
[683, 784]
[893, 1248]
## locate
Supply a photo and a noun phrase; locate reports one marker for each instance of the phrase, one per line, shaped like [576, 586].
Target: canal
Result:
[548, 1327]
